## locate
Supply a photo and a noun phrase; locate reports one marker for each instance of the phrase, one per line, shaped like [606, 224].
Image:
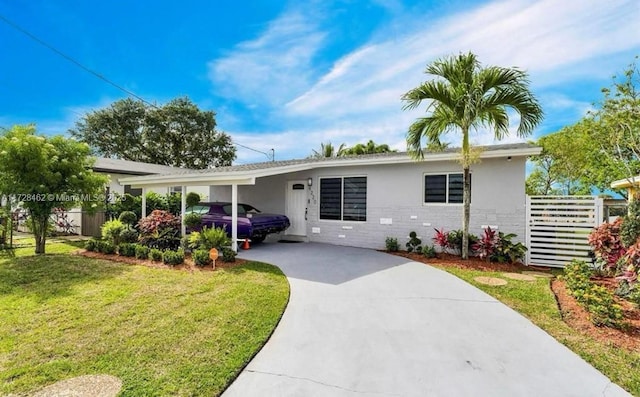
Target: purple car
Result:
[252, 223]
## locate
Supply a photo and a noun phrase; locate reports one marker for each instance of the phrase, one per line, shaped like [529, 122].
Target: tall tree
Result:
[327, 150]
[46, 173]
[177, 134]
[366, 148]
[466, 96]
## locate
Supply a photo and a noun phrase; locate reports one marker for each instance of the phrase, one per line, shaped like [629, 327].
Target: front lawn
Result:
[162, 332]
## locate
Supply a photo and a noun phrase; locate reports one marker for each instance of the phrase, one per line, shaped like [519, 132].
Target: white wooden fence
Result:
[558, 228]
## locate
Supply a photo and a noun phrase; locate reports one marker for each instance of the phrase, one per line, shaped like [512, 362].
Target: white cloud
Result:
[558, 43]
[275, 66]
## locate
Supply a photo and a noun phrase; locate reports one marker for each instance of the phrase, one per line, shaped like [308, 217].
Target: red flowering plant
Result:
[441, 239]
[486, 245]
[606, 244]
[160, 230]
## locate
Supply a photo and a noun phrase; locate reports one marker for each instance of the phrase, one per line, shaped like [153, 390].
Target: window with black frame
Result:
[443, 188]
[343, 198]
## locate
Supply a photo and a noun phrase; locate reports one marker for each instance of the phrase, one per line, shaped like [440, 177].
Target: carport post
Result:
[183, 210]
[144, 202]
[234, 217]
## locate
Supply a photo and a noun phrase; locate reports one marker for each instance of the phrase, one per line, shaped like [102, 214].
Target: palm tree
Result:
[327, 150]
[467, 96]
[369, 148]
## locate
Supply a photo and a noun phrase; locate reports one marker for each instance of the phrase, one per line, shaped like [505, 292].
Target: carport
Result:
[193, 179]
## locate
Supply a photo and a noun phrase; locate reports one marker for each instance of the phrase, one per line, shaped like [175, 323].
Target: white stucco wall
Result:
[396, 192]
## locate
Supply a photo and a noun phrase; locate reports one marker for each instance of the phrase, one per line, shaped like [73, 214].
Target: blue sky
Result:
[290, 75]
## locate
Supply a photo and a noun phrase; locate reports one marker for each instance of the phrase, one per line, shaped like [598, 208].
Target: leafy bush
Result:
[173, 258]
[127, 249]
[105, 247]
[142, 252]
[192, 199]
[192, 220]
[506, 251]
[391, 243]
[606, 243]
[455, 240]
[486, 245]
[129, 218]
[160, 230]
[129, 235]
[228, 255]
[209, 238]
[111, 231]
[155, 254]
[597, 300]
[201, 257]
[414, 243]
[90, 245]
[429, 251]
[630, 226]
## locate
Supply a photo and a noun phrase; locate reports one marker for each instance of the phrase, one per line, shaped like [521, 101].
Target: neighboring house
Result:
[361, 200]
[115, 169]
[631, 184]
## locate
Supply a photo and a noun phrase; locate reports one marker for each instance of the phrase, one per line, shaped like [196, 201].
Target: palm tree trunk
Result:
[466, 200]
[466, 192]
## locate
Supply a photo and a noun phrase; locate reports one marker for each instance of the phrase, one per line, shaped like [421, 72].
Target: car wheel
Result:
[257, 239]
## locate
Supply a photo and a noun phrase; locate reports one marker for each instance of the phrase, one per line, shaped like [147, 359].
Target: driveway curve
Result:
[364, 323]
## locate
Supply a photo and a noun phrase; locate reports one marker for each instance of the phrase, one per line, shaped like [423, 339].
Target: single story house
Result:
[361, 200]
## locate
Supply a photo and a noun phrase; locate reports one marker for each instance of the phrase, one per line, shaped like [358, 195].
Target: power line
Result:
[72, 60]
[98, 75]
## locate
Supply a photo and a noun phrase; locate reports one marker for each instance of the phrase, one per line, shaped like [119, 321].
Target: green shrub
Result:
[129, 218]
[127, 249]
[209, 238]
[429, 251]
[142, 252]
[454, 242]
[201, 257]
[105, 247]
[392, 244]
[192, 220]
[634, 296]
[630, 227]
[173, 258]
[192, 199]
[90, 245]
[597, 300]
[155, 254]
[228, 255]
[111, 231]
[129, 235]
[414, 243]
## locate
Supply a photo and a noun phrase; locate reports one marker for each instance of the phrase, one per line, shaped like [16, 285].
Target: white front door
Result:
[296, 207]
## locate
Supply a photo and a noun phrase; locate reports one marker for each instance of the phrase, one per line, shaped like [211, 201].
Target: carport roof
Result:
[246, 174]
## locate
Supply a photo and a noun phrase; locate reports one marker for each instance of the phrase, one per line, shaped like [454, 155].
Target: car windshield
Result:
[198, 209]
[243, 209]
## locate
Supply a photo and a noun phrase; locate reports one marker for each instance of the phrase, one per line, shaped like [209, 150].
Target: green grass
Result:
[162, 332]
[536, 301]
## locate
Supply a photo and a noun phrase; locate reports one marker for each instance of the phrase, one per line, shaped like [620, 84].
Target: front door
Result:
[296, 207]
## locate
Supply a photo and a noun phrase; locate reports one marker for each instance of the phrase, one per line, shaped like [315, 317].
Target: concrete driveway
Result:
[364, 323]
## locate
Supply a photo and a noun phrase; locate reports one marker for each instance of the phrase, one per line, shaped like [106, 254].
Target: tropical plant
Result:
[441, 239]
[606, 244]
[209, 238]
[429, 251]
[630, 226]
[455, 238]
[367, 148]
[466, 96]
[160, 229]
[486, 245]
[327, 150]
[111, 231]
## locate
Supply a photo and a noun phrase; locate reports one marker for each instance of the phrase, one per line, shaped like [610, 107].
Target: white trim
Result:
[626, 183]
[248, 177]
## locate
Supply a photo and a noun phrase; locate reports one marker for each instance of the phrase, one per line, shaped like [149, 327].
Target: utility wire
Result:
[72, 60]
[98, 75]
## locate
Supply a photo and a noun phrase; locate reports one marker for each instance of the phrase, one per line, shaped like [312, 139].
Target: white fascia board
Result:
[186, 180]
[627, 182]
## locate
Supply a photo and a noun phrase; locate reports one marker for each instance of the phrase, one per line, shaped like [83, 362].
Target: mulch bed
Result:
[572, 312]
[188, 264]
